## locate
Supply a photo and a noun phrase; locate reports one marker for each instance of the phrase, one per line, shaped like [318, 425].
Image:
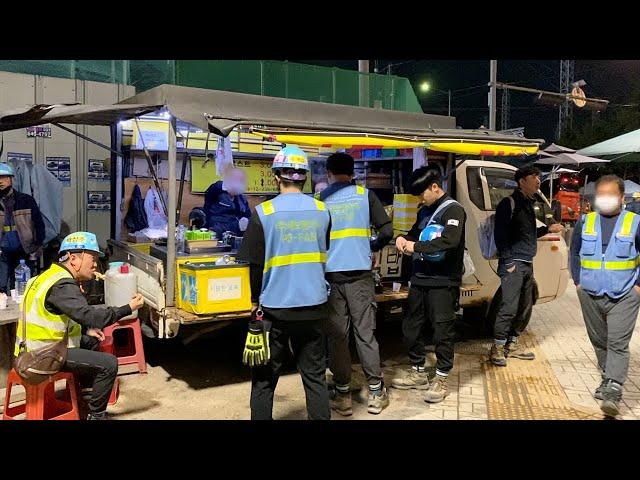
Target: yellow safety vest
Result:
[44, 327]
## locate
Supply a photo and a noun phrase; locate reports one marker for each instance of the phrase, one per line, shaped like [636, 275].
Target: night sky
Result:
[606, 79]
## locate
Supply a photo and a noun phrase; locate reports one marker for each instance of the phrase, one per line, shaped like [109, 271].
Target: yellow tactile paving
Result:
[529, 390]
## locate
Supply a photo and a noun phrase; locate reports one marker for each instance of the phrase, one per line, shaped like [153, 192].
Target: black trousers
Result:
[95, 368]
[309, 349]
[432, 309]
[514, 311]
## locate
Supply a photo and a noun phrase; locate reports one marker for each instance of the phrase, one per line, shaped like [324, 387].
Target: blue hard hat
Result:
[291, 157]
[85, 241]
[429, 233]
[6, 170]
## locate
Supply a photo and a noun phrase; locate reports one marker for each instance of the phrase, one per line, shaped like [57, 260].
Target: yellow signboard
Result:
[260, 179]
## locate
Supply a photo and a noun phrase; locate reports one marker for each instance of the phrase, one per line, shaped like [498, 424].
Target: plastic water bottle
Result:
[180, 233]
[23, 274]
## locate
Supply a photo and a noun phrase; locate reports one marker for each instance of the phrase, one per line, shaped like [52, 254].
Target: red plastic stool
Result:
[107, 346]
[125, 357]
[41, 402]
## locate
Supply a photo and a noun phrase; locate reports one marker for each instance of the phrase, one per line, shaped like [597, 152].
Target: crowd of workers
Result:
[310, 264]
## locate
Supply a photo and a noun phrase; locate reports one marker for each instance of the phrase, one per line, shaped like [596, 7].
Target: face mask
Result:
[606, 204]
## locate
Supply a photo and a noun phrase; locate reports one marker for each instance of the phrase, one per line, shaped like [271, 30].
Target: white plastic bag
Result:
[469, 267]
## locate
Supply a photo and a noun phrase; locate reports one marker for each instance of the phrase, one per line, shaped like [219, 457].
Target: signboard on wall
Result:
[98, 171]
[43, 131]
[60, 167]
[99, 201]
[260, 179]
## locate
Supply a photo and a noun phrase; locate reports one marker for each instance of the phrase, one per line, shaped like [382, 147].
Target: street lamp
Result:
[426, 87]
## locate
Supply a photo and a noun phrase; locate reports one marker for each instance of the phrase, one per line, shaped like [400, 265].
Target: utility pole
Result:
[493, 94]
[567, 71]
[505, 110]
[363, 69]
[449, 91]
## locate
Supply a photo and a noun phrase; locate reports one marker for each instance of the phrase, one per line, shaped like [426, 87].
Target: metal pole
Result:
[493, 94]
[363, 73]
[449, 102]
[171, 227]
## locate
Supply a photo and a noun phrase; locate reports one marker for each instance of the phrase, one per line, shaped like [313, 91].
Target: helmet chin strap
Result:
[77, 270]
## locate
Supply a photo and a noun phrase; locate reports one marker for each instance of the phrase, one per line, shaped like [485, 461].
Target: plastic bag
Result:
[469, 267]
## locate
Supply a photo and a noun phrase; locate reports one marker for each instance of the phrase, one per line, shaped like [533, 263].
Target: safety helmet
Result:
[83, 241]
[429, 233]
[291, 157]
[6, 170]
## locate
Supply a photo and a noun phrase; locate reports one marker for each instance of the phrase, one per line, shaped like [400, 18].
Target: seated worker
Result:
[53, 303]
[22, 229]
[225, 206]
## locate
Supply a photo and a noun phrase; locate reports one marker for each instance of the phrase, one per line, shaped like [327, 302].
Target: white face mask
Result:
[607, 204]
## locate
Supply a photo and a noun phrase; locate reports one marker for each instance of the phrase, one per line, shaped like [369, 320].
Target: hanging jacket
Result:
[46, 190]
[136, 218]
[614, 271]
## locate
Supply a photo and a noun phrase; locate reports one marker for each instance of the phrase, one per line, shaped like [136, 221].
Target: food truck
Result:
[193, 289]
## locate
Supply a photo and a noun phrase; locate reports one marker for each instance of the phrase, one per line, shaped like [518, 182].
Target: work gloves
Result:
[256, 348]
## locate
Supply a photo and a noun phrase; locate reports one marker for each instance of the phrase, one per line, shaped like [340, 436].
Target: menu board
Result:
[260, 178]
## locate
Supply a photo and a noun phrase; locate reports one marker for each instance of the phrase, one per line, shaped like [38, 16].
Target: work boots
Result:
[496, 355]
[378, 401]
[414, 379]
[437, 390]
[341, 403]
[611, 396]
[514, 349]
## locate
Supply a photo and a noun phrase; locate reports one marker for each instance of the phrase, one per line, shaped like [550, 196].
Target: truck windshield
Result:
[500, 182]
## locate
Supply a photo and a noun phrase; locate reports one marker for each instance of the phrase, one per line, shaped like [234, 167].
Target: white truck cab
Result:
[479, 186]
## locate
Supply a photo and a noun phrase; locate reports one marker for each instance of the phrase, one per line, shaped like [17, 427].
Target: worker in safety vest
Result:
[352, 305]
[604, 265]
[286, 246]
[54, 303]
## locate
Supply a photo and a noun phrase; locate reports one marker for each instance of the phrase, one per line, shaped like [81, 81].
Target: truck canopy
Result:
[283, 120]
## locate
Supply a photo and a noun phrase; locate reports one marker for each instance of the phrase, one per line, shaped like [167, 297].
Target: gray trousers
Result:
[610, 324]
[352, 307]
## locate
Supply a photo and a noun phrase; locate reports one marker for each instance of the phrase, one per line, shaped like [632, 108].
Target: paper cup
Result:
[3, 301]
[13, 294]
[396, 287]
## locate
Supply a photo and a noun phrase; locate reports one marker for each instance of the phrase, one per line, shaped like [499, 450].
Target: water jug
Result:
[120, 285]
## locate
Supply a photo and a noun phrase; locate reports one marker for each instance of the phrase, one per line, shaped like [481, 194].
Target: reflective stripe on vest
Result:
[44, 327]
[350, 247]
[295, 230]
[615, 271]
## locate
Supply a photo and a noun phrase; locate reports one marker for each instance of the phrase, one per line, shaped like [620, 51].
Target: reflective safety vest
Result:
[350, 230]
[615, 271]
[295, 232]
[44, 327]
